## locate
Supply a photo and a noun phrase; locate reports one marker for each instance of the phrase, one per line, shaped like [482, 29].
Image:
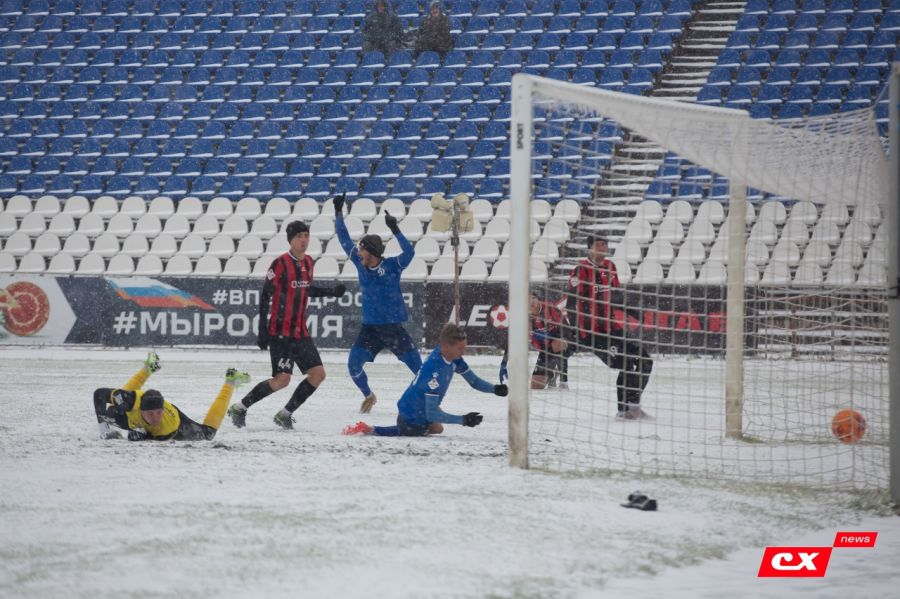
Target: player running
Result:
[420, 406]
[590, 290]
[146, 415]
[282, 329]
[384, 310]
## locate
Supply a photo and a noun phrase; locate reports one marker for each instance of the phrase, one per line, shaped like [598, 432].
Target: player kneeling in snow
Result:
[146, 415]
[420, 406]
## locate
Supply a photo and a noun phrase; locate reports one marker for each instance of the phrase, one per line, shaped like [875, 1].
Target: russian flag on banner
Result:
[150, 293]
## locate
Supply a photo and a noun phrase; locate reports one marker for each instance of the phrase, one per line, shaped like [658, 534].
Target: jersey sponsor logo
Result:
[295, 284]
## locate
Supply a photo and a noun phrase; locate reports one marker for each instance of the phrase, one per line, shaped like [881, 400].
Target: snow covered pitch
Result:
[261, 512]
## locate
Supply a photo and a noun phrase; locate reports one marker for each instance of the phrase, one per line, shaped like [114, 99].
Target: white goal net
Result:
[722, 294]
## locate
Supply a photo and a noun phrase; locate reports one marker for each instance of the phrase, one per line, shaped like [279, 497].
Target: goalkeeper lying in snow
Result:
[420, 406]
[146, 415]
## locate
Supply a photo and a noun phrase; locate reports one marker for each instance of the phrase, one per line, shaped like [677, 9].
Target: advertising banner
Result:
[160, 311]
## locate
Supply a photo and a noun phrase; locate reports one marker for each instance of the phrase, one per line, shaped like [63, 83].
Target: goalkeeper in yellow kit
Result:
[146, 415]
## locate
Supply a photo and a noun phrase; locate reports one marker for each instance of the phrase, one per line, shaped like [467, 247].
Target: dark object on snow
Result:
[639, 501]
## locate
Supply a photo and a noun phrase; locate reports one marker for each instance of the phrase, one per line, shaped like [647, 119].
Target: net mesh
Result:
[655, 178]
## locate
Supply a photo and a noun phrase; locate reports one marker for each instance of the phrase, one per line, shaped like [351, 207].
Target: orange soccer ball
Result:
[848, 426]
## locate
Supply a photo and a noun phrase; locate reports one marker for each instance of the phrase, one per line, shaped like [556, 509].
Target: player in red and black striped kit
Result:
[282, 328]
[547, 337]
[591, 312]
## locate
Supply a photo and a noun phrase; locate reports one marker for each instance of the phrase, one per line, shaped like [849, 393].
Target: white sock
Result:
[284, 413]
[104, 428]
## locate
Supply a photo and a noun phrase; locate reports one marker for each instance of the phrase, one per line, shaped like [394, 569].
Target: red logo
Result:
[794, 562]
[25, 308]
[499, 317]
[855, 539]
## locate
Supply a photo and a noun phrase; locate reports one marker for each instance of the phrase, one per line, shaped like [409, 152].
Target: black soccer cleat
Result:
[238, 416]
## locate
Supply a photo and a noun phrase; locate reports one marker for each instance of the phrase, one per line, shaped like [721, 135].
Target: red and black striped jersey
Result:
[549, 320]
[590, 288]
[286, 295]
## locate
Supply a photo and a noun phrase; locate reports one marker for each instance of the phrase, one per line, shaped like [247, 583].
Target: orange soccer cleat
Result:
[360, 428]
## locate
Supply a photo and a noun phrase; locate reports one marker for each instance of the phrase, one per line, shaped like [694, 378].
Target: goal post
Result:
[746, 369]
[893, 220]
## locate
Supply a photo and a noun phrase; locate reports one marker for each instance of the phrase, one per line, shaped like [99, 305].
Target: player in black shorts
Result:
[282, 329]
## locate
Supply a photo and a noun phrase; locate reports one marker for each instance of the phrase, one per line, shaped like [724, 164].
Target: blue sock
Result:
[413, 360]
[358, 358]
[386, 431]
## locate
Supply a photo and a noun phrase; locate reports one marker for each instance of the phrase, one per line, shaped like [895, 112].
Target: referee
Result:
[282, 329]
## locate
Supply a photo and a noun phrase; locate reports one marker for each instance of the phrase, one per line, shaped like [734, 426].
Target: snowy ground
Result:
[266, 513]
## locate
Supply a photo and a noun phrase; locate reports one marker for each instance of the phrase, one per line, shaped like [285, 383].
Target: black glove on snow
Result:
[137, 435]
[472, 419]
[501, 390]
[391, 222]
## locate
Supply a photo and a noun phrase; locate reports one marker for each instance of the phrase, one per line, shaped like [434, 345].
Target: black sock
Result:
[258, 392]
[303, 391]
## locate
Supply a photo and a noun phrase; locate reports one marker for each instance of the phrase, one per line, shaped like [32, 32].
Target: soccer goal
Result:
[753, 260]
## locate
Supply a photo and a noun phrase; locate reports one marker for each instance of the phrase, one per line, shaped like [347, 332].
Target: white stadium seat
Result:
[363, 209]
[248, 209]
[76, 206]
[442, 270]
[220, 208]
[107, 245]
[190, 207]
[474, 269]
[206, 226]
[133, 207]
[249, 247]
[237, 266]
[221, 246]
[47, 206]
[661, 250]
[149, 265]
[322, 227]
[164, 246]
[264, 227]
[162, 207]
[61, 264]
[135, 245]
[92, 264]
[179, 264]
[416, 271]
[208, 266]
[18, 244]
[148, 225]
[326, 268]
[193, 246]
[62, 224]
[18, 206]
[235, 226]
[681, 273]
[32, 224]
[120, 265]
[105, 207]
[32, 263]
[395, 207]
[177, 226]
[623, 270]
[47, 244]
[120, 225]
[77, 244]
[7, 262]
[305, 209]
[649, 272]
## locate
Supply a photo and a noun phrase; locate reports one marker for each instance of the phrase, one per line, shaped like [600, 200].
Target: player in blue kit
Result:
[384, 310]
[420, 406]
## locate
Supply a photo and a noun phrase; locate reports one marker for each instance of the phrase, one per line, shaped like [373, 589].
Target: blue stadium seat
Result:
[409, 131]
[347, 186]
[302, 168]
[261, 187]
[770, 94]
[290, 187]
[232, 187]
[389, 169]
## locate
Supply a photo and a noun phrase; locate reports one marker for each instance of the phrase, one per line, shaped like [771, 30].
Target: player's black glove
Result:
[472, 419]
[501, 390]
[262, 338]
[137, 435]
[391, 222]
[339, 204]
[339, 290]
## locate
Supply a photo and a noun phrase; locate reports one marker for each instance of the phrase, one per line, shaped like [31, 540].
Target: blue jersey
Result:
[382, 299]
[420, 403]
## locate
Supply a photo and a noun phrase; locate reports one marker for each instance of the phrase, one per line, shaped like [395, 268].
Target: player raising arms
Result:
[146, 415]
[282, 329]
[384, 310]
[420, 406]
[589, 306]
